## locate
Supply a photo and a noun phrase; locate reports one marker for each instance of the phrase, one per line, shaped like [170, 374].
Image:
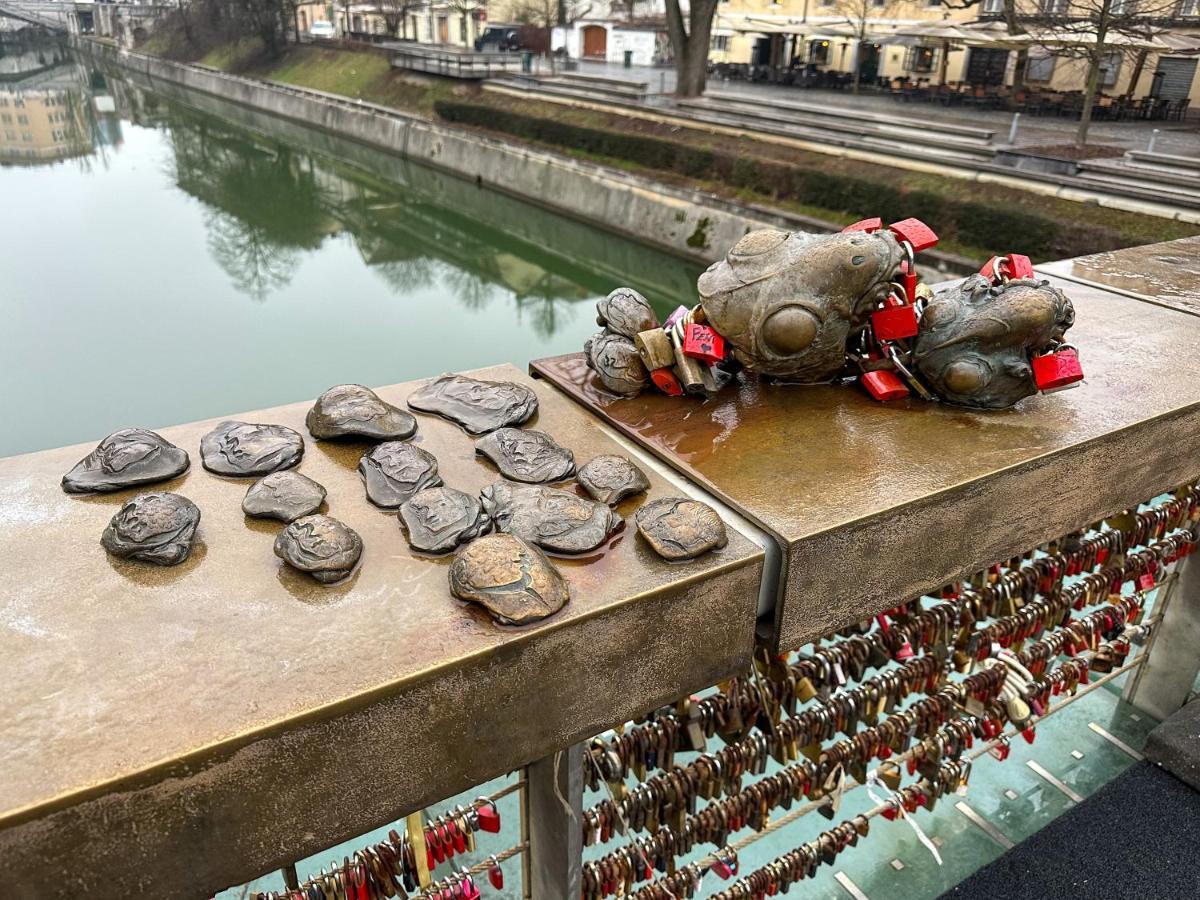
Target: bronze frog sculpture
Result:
[849, 306]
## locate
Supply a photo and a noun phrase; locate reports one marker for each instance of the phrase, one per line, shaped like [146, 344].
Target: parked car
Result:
[499, 39]
[322, 31]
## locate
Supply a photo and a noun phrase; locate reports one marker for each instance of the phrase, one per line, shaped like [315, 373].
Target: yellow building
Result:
[823, 36]
[41, 126]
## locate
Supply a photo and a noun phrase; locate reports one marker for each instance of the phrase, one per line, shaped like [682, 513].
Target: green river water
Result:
[170, 258]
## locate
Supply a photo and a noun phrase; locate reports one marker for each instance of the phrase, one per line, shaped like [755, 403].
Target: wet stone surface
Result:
[525, 455]
[510, 578]
[681, 529]
[626, 312]
[284, 496]
[615, 360]
[438, 519]
[351, 410]
[156, 528]
[478, 406]
[610, 479]
[394, 471]
[557, 520]
[240, 448]
[321, 546]
[126, 458]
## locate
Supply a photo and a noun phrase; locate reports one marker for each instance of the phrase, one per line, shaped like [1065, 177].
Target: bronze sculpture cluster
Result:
[811, 308]
[507, 572]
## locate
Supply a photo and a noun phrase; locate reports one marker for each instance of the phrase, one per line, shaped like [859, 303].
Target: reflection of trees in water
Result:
[256, 264]
[265, 205]
[405, 276]
[468, 288]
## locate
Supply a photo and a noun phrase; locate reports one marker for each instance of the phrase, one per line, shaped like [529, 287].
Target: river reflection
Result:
[182, 257]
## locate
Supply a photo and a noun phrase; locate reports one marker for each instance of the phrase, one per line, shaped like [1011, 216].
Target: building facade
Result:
[883, 38]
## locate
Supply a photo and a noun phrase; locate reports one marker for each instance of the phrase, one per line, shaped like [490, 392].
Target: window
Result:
[1054, 7]
[462, 28]
[720, 43]
[993, 7]
[6, 118]
[920, 59]
[22, 119]
[818, 52]
[1110, 68]
[1189, 8]
[882, 2]
[26, 137]
[827, 2]
[10, 135]
[1040, 64]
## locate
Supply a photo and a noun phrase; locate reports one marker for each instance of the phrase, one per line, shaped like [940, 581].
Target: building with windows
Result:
[923, 40]
[449, 22]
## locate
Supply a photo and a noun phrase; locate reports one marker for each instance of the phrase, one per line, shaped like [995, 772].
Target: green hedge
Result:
[991, 227]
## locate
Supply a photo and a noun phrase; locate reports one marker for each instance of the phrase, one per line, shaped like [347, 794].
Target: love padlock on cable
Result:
[496, 874]
[884, 385]
[489, 817]
[726, 868]
[867, 225]
[1057, 370]
[915, 232]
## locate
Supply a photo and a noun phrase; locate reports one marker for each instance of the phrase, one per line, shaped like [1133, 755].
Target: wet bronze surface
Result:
[876, 503]
[1166, 273]
[172, 731]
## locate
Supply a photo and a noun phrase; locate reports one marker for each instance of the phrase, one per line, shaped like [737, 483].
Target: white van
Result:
[322, 31]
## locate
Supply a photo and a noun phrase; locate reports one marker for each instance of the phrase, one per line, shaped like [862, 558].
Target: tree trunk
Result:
[1136, 75]
[1093, 80]
[690, 45]
[1019, 69]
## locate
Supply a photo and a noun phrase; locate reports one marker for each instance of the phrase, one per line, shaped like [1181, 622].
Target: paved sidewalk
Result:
[1181, 138]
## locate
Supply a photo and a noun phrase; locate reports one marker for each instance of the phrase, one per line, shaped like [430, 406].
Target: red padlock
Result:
[867, 225]
[496, 874]
[909, 280]
[702, 343]
[919, 235]
[664, 379]
[884, 385]
[890, 812]
[895, 323]
[1029, 734]
[434, 842]
[1145, 581]
[489, 818]
[1057, 370]
[726, 868]
[1019, 266]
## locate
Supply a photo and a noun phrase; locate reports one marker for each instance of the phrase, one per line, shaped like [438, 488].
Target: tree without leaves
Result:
[395, 15]
[1098, 33]
[546, 14]
[690, 44]
[1012, 23]
[858, 15]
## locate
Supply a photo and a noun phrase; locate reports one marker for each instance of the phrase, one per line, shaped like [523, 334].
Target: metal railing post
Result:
[554, 787]
[1165, 682]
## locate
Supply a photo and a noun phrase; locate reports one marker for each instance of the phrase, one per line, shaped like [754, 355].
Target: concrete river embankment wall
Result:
[689, 223]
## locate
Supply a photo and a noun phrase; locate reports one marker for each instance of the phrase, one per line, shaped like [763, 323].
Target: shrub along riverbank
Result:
[835, 190]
